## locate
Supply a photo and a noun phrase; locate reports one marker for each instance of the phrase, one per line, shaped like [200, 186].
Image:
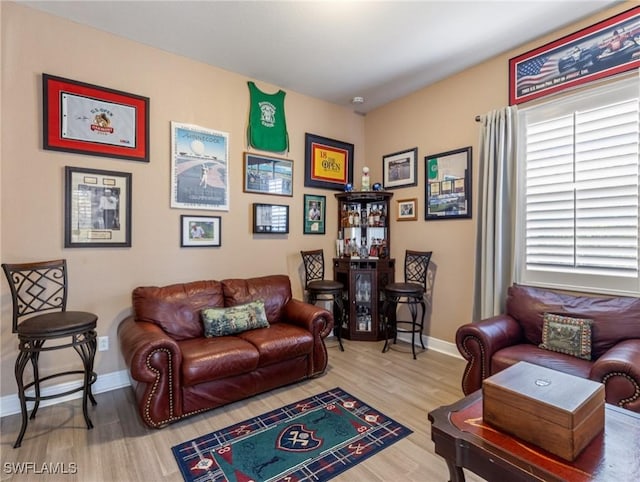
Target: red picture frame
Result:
[89, 119]
[606, 48]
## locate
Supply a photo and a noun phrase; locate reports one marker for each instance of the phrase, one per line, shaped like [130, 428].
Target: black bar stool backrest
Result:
[416, 265]
[313, 265]
[36, 287]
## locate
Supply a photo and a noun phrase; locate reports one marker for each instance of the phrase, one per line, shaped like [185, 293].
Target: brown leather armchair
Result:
[494, 344]
[176, 371]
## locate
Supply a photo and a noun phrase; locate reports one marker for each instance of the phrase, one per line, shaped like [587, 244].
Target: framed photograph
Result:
[400, 169]
[407, 209]
[268, 175]
[328, 163]
[199, 231]
[97, 208]
[88, 119]
[199, 168]
[314, 214]
[270, 218]
[448, 185]
[606, 48]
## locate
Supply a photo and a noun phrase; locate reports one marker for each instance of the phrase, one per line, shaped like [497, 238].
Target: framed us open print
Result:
[89, 119]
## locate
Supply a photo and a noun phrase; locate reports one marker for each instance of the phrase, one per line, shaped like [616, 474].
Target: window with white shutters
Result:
[579, 193]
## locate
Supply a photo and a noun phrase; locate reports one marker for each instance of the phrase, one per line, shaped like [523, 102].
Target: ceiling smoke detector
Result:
[357, 100]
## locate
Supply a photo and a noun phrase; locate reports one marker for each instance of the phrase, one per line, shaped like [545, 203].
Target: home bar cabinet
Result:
[363, 263]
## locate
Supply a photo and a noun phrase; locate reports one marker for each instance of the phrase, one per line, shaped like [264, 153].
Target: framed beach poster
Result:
[199, 168]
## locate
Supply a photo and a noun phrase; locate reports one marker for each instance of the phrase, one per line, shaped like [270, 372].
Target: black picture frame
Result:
[268, 175]
[328, 162]
[97, 208]
[400, 169]
[314, 215]
[270, 218]
[200, 231]
[448, 185]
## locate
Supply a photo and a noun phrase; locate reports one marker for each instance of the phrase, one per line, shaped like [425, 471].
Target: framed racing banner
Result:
[328, 162]
[606, 48]
[88, 119]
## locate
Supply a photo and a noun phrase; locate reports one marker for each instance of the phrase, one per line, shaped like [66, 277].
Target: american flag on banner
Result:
[537, 70]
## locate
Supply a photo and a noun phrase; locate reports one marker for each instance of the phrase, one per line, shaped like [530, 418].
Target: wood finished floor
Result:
[120, 448]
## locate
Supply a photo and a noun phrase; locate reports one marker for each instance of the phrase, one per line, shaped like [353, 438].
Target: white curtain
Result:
[496, 212]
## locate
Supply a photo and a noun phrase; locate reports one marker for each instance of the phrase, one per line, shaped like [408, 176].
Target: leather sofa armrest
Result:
[311, 317]
[477, 342]
[154, 360]
[619, 370]
[319, 322]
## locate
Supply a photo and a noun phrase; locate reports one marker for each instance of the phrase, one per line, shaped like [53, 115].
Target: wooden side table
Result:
[465, 441]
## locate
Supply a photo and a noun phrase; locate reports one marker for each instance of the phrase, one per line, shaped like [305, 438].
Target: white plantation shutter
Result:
[578, 216]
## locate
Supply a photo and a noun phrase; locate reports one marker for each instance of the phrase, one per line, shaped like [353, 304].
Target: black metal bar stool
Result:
[319, 289]
[41, 287]
[410, 293]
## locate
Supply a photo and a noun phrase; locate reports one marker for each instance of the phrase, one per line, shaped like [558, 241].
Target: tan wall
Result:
[435, 119]
[180, 90]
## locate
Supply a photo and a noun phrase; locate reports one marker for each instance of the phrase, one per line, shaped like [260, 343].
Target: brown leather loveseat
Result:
[176, 371]
[496, 343]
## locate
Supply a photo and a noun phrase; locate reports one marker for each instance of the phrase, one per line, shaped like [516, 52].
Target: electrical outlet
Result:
[103, 343]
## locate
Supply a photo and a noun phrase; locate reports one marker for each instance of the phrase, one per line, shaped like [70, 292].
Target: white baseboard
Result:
[10, 404]
[434, 344]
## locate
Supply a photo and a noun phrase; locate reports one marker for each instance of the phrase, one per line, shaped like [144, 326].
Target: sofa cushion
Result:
[176, 308]
[615, 318]
[275, 290]
[207, 359]
[566, 334]
[234, 319]
[513, 354]
[279, 342]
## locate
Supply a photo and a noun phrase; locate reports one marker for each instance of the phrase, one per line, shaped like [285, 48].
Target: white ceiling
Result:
[333, 50]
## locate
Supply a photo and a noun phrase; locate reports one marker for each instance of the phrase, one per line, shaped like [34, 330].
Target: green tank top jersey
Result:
[267, 125]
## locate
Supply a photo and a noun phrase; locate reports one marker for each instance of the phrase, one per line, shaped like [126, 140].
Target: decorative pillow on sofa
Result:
[566, 334]
[234, 319]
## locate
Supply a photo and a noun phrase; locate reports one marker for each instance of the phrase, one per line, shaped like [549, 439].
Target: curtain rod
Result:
[478, 119]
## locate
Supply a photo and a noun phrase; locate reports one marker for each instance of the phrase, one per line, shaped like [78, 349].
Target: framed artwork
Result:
[89, 119]
[199, 168]
[314, 214]
[268, 175]
[407, 209]
[97, 208]
[448, 186]
[606, 48]
[400, 169]
[270, 218]
[199, 231]
[328, 163]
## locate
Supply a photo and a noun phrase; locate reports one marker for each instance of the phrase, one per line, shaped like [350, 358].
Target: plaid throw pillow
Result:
[566, 334]
[234, 319]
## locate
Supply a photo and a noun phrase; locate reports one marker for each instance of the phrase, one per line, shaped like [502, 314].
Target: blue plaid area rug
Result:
[311, 440]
